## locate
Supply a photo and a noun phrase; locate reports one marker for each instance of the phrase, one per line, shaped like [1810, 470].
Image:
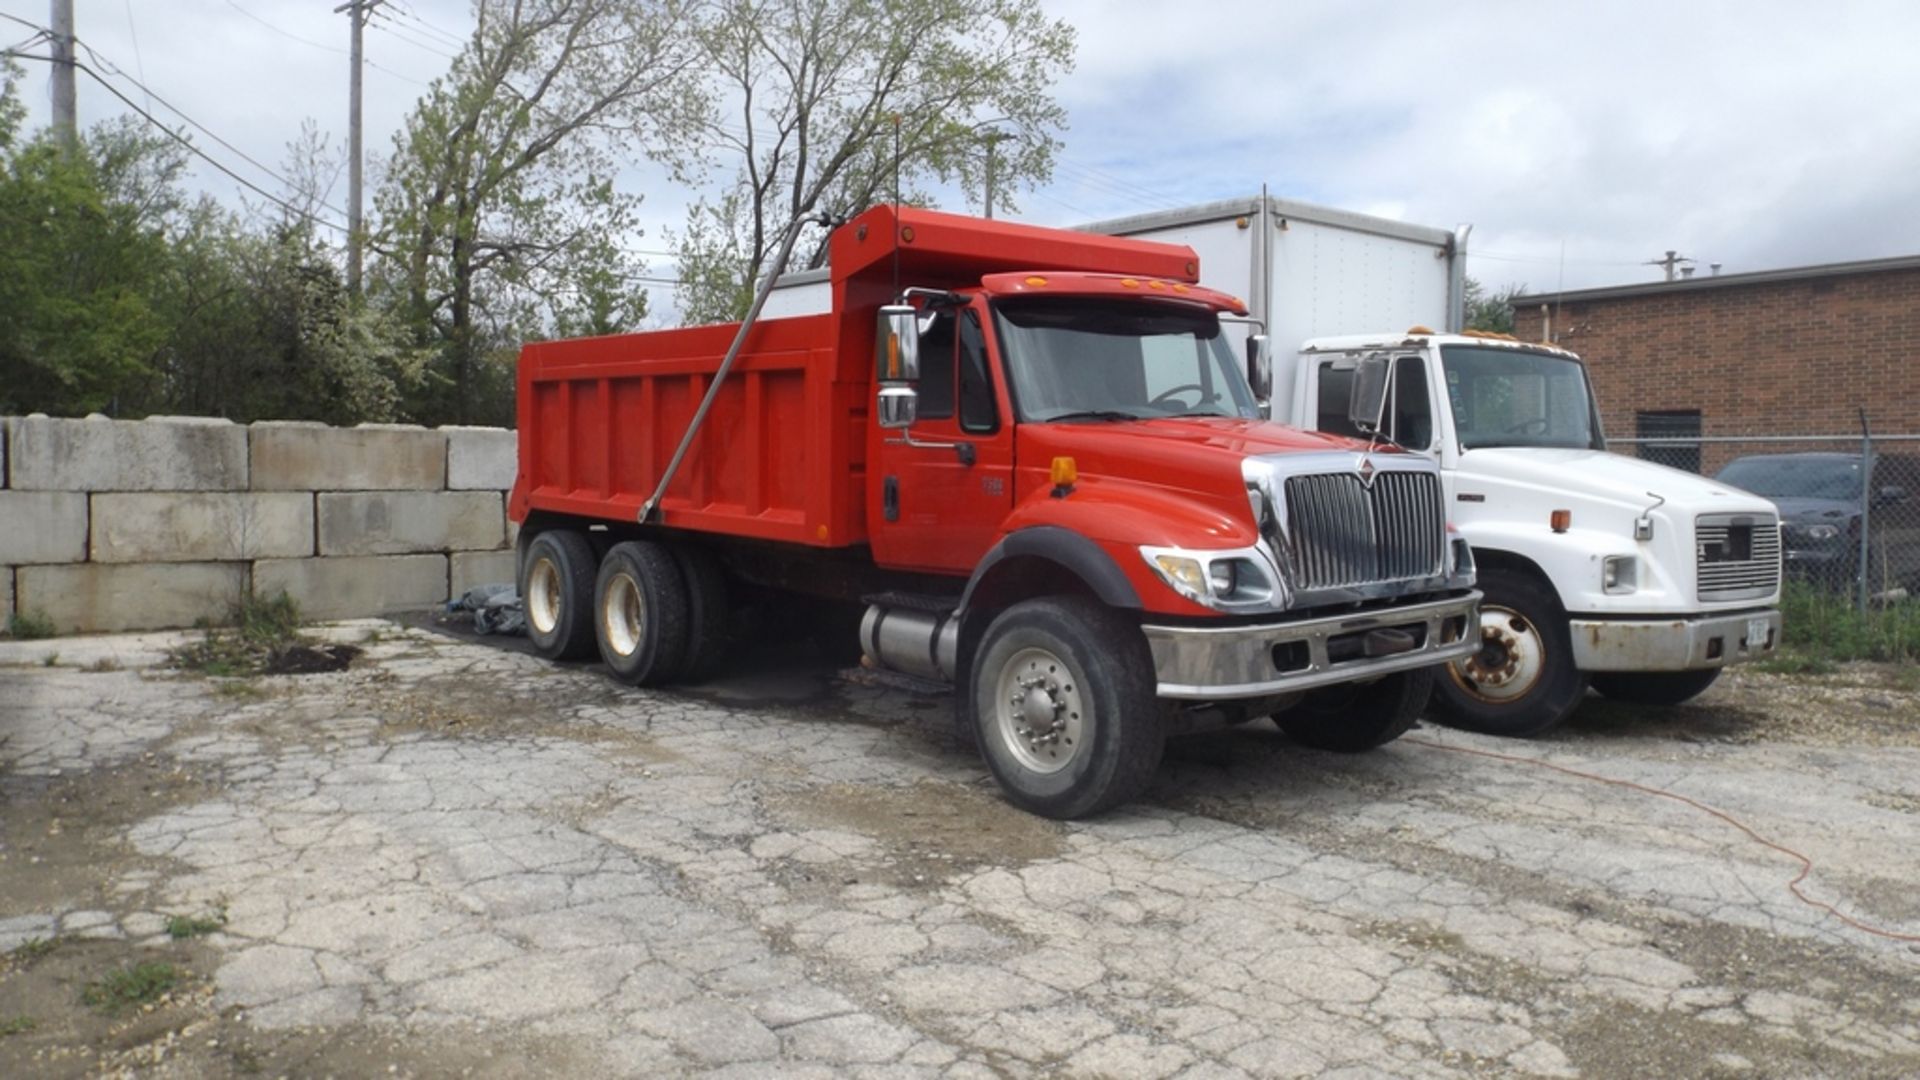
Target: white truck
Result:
[1637, 579]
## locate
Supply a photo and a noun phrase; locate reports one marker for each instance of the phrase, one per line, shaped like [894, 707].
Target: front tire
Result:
[556, 586]
[1357, 717]
[640, 613]
[1063, 707]
[1654, 687]
[1522, 682]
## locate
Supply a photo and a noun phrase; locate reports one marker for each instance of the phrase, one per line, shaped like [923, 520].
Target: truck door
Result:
[1410, 416]
[946, 483]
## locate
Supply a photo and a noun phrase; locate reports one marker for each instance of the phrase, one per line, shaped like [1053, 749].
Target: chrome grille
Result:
[1738, 556]
[1342, 532]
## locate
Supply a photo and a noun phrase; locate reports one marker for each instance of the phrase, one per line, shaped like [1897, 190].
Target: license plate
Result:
[1756, 633]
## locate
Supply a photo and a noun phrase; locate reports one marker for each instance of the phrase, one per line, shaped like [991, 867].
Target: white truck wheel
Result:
[1522, 682]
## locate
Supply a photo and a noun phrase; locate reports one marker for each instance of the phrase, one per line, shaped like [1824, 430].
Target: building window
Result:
[1670, 424]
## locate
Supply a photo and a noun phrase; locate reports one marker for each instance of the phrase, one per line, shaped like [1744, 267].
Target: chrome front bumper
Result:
[1200, 663]
[1682, 643]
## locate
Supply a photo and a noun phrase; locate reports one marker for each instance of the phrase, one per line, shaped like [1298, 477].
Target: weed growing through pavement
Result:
[262, 637]
[137, 985]
[34, 948]
[17, 1025]
[188, 926]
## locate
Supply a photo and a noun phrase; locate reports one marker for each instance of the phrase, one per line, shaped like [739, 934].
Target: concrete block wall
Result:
[158, 523]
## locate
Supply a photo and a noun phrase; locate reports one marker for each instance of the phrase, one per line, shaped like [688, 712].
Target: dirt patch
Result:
[931, 830]
[1859, 705]
[310, 659]
[66, 836]
[47, 1031]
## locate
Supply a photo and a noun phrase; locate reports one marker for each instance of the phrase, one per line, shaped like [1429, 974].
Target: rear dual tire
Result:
[654, 614]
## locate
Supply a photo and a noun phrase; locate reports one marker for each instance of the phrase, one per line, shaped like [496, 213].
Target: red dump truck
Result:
[1033, 456]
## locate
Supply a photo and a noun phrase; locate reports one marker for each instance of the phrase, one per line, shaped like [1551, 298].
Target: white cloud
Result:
[1756, 134]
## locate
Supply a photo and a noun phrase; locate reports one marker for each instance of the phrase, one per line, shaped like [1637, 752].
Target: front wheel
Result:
[1063, 707]
[1522, 681]
[1356, 717]
[1654, 687]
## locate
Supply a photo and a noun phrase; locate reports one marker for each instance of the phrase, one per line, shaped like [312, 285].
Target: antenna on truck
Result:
[779, 266]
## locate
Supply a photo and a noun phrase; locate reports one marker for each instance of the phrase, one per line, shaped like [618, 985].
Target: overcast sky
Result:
[1580, 141]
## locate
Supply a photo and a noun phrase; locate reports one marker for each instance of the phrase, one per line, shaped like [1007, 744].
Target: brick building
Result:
[1780, 352]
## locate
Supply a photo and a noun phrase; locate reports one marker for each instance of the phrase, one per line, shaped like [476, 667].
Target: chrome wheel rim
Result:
[543, 595]
[1511, 660]
[1040, 711]
[623, 616]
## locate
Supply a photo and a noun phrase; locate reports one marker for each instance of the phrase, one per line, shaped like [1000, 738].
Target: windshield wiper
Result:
[1094, 414]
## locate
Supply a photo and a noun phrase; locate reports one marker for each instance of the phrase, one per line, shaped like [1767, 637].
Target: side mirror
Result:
[898, 407]
[1260, 368]
[1369, 400]
[898, 344]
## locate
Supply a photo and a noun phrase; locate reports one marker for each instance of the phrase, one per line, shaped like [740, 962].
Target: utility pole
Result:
[358, 11]
[1670, 263]
[66, 114]
[992, 138]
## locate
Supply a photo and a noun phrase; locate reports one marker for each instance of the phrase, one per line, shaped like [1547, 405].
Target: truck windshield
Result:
[1505, 397]
[1078, 358]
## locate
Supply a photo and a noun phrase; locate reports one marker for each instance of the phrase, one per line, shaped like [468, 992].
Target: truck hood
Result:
[1605, 477]
[1173, 451]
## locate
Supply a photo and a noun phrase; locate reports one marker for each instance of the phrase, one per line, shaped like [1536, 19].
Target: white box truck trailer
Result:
[1637, 579]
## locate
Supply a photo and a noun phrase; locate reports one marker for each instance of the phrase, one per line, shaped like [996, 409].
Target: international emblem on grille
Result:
[1366, 472]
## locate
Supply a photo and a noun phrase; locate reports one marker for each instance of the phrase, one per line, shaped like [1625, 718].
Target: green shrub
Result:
[30, 625]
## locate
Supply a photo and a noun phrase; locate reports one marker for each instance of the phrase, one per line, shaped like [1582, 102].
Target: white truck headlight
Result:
[1619, 574]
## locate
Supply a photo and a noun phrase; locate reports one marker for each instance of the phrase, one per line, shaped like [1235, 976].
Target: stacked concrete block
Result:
[346, 587]
[200, 526]
[398, 523]
[121, 525]
[42, 527]
[291, 456]
[469, 569]
[481, 459]
[97, 454]
[95, 597]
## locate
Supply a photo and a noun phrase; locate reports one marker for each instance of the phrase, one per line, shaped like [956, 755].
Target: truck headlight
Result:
[1183, 572]
[1619, 574]
[1216, 579]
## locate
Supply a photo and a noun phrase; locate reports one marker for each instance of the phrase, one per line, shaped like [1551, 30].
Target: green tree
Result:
[496, 213]
[824, 90]
[81, 240]
[1492, 312]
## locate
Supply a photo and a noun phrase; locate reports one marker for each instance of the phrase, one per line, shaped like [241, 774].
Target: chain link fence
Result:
[1849, 502]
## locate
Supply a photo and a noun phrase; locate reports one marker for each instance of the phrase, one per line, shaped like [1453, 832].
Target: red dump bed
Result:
[782, 456]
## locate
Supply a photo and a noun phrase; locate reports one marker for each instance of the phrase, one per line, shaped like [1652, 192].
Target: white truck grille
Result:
[1738, 556]
[1343, 532]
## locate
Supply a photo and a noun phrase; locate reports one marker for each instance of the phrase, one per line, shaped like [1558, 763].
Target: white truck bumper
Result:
[1681, 643]
[1202, 663]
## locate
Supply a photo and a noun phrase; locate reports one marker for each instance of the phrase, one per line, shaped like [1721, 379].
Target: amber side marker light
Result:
[1036, 280]
[1561, 520]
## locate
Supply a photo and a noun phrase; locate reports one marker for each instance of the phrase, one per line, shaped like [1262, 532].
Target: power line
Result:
[284, 33]
[393, 31]
[114, 69]
[190, 147]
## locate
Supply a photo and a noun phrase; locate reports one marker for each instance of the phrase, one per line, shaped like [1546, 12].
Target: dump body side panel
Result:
[780, 457]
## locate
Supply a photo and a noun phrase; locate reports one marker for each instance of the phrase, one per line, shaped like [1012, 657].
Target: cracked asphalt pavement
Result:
[457, 858]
